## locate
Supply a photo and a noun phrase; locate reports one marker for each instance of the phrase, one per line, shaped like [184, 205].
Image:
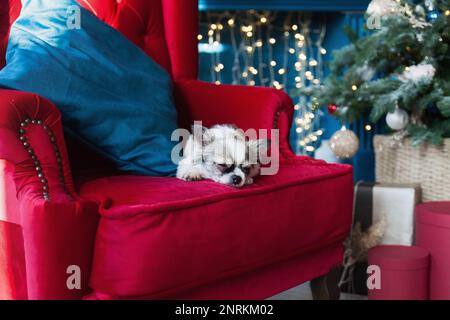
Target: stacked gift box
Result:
[411, 244]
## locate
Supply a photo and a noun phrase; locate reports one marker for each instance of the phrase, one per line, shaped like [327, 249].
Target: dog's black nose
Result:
[236, 180]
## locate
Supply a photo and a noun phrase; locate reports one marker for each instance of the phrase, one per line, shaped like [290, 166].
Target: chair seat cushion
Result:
[160, 236]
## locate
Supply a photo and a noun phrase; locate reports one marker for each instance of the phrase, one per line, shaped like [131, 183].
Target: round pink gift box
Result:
[433, 234]
[403, 273]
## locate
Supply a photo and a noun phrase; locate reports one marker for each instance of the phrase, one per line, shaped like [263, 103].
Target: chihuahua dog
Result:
[221, 153]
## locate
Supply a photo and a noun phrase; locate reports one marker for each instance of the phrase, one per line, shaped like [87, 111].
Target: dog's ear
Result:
[257, 146]
[239, 134]
[232, 126]
[201, 134]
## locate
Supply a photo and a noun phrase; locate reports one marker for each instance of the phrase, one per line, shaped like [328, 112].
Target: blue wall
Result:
[304, 5]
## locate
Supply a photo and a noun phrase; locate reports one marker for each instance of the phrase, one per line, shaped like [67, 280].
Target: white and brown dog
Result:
[222, 154]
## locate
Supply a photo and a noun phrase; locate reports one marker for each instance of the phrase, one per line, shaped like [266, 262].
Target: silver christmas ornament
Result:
[420, 10]
[397, 119]
[382, 8]
[429, 4]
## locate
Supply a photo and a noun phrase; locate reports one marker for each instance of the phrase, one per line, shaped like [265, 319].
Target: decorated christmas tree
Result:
[400, 70]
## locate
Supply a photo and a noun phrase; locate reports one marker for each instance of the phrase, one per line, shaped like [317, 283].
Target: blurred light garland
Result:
[250, 33]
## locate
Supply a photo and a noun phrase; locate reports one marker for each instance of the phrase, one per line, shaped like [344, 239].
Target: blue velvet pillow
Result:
[112, 96]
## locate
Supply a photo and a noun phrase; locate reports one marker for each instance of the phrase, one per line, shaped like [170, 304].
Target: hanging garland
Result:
[254, 38]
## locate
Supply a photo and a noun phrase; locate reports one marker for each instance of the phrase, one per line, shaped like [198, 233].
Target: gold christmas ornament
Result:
[344, 143]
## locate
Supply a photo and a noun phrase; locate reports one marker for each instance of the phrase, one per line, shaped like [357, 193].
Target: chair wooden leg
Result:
[326, 287]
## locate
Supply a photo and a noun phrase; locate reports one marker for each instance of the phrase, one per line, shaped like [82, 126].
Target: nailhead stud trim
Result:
[275, 120]
[26, 144]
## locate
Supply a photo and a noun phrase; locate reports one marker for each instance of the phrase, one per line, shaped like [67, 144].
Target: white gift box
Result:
[393, 202]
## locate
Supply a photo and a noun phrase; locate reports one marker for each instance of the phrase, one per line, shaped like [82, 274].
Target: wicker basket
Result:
[427, 165]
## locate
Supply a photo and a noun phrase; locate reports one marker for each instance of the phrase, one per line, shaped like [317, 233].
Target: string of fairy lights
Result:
[283, 51]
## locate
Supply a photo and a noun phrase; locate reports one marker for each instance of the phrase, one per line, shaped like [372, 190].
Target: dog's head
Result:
[228, 156]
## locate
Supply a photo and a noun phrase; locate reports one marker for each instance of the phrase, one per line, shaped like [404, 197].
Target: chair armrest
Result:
[31, 137]
[58, 227]
[246, 107]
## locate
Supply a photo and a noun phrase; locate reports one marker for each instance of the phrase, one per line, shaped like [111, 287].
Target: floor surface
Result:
[303, 292]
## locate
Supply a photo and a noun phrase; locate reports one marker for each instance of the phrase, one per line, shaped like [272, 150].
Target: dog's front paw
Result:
[248, 181]
[192, 174]
[193, 177]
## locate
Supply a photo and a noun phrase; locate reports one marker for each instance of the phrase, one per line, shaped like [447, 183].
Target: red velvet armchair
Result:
[154, 237]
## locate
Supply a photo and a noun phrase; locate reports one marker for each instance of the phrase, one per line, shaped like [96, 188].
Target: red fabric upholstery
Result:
[160, 237]
[246, 107]
[188, 234]
[144, 22]
[12, 256]
[56, 233]
[260, 283]
[12, 262]
[10, 10]
[140, 21]
[181, 23]
[272, 279]
[15, 108]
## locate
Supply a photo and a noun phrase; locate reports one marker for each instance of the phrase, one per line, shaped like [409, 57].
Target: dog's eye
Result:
[225, 168]
[222, 166]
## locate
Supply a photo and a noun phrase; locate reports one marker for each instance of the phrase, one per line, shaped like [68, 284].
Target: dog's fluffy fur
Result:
[221, 153]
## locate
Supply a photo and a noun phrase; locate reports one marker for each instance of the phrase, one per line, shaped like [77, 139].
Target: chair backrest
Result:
[165, 29]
